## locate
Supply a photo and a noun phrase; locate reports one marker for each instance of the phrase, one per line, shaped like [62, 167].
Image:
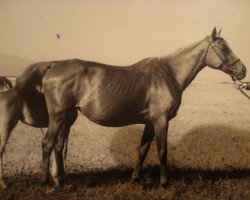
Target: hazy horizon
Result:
[118, 32]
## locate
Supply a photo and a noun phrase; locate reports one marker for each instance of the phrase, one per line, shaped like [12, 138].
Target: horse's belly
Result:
[117, 101]
[114, 116]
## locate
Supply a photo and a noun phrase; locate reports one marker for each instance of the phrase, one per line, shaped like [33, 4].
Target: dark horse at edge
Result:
[5, 83]
[148, 92]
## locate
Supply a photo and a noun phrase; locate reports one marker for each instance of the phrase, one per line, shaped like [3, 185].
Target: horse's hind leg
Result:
[48, 144]
[6, 128]
[61, 148]
[58, 170]
[146, 141]
[65, 152]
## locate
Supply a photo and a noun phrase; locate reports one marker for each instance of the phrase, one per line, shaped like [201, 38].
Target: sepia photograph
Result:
[135, 99]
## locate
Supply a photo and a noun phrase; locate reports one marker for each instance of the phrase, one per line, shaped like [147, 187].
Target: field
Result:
[208, 149]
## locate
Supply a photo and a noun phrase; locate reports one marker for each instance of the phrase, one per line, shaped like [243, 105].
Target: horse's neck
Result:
[186, 63]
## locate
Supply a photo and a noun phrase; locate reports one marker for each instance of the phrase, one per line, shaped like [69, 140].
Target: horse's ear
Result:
[214, 33]
[218, 33]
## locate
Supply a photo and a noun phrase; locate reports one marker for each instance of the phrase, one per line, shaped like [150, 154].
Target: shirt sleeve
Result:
[248, 86]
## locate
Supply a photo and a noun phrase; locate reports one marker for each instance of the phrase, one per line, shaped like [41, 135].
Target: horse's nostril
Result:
[244, 70]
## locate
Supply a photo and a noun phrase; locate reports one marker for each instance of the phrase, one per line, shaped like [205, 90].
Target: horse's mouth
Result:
[236, 76]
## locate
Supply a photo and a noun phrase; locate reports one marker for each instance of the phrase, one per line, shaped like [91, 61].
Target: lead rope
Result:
[241, 89]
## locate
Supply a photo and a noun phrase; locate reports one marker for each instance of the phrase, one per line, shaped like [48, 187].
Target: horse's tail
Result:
[32, 76]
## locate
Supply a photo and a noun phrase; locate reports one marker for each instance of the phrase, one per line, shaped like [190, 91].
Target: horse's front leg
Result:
[161, 129]
[147, 137]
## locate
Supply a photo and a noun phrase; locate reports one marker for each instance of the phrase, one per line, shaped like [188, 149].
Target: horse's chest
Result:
[163, 101]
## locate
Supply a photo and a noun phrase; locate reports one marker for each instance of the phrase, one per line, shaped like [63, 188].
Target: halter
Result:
[224, 67]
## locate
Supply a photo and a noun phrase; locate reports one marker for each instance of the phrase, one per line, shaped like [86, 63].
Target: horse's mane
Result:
[183, 50]
[32, 76]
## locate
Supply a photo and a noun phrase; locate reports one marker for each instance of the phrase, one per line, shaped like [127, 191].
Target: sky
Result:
[119, 32]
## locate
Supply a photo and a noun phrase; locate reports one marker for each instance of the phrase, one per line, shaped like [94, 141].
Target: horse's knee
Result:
[47, 146]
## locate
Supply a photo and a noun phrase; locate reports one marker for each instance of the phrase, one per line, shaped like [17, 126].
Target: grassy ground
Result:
[115, 184]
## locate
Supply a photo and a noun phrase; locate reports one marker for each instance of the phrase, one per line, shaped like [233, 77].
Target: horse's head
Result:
[220, 56]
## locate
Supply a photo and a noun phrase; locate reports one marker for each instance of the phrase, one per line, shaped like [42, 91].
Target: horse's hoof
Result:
[165, 184]
[135, 181]
[58, 181]
[44, 183]
[3, 185]
[50, 190]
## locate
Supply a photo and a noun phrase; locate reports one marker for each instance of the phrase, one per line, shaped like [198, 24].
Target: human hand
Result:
[239, 85]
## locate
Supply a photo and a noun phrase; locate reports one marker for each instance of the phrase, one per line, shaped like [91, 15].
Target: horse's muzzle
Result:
[239, 75]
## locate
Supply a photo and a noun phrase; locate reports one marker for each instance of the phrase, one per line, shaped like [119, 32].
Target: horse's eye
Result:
[224, 47]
